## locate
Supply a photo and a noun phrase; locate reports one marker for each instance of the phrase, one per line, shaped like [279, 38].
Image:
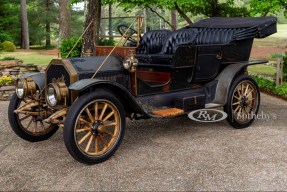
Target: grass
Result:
[265, 70]
[31, 56]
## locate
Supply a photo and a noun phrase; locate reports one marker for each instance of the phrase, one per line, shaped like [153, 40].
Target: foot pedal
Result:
[171, 112]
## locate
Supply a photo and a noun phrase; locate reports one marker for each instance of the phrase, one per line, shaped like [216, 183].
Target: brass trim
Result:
[70, 69]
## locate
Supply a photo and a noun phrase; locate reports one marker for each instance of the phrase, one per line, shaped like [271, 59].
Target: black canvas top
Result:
[245, 27]
[235, 22]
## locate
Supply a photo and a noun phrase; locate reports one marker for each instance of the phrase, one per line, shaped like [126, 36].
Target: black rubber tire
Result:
[16, 127]
[69, 128]
[228, 107]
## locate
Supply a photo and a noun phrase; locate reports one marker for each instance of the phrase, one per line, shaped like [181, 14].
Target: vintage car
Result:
[161, 74]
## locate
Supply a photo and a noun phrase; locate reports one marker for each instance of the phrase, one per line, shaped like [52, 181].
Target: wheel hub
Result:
[97, 127]
[243, 102]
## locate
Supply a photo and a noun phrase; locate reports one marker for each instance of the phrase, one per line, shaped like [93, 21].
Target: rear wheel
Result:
[243, 102]
[29, 123]
[94, 127]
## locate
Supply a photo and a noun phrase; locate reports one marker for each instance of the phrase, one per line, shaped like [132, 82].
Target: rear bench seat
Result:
[149, 52]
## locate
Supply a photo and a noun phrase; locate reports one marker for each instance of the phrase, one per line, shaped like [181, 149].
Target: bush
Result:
[5, 37]
[8, 46]
[106, 42]
[8, 58]
[270, 86]
[5, 80]
[285, 67]
[68, 44]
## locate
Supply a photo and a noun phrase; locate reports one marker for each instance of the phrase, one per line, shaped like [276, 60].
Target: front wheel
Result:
[243, 102]
[29, 122]
[94, 127]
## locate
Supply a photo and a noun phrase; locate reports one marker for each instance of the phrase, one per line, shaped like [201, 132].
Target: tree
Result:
[24, 26]
[208, 8]
[264, 7]
[64, 19]
[48, 24]
[92, 24]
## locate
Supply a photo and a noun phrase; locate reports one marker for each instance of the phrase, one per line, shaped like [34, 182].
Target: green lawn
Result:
[34, 57]
[262, 70]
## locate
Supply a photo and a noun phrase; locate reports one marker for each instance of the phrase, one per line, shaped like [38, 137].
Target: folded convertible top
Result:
[261, 26]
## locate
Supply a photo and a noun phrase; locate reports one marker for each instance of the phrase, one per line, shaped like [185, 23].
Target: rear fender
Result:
[129, 103]
[226, 77]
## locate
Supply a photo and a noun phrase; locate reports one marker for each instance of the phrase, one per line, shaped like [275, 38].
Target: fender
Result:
[88, 85]
[226, 77]
[39, 79]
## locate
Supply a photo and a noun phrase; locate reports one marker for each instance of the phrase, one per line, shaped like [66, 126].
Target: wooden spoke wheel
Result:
[29, 124]
[243, 102]
[94, 127]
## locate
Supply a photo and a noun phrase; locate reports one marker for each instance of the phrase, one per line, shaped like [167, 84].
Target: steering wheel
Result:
[123, 28]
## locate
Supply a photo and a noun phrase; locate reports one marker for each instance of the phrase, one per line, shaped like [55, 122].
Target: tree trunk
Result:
[173, 19]
[182, 14]
[24, 26]
[93, 14]
[48, 25]
[110, 20]
[215, 8]
[159, 15]
[64, 19]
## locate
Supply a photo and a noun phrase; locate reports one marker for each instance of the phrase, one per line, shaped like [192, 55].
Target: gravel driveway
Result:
[158, 154]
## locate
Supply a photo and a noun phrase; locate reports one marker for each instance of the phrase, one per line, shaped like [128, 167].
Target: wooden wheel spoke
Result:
[249, 93]
[239, 92]
[42, 125]
[84, 121]
[96, 145]
[246, 111]
[89, 114]
[89, 143]
[103, 111]
[29, 123]
[110, 124]
[236, 109]
[103, 140]
[96, 111]
[246, 89]
[25, 117]
[35, 127]
[82, 130]
[237, 98]
[108, 133]
[237, 103]
[108, 116]
[84, 138]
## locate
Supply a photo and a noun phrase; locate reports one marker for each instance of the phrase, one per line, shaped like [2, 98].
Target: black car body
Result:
[170, 73]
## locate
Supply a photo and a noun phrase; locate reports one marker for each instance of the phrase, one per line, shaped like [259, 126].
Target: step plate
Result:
[171, 112]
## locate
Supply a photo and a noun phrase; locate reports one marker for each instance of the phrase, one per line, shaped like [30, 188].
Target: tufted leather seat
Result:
[152, 41]
[165, 56]
[215, 36]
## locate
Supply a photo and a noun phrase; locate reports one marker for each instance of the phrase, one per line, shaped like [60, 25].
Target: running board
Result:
[171, 112]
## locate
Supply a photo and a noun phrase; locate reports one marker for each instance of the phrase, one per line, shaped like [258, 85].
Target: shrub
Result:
[270, 87]
[285, 67]
[106, 42]
[5, 37]
[8, 46]
[5, 80]
[8, 58]
[68, 44]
